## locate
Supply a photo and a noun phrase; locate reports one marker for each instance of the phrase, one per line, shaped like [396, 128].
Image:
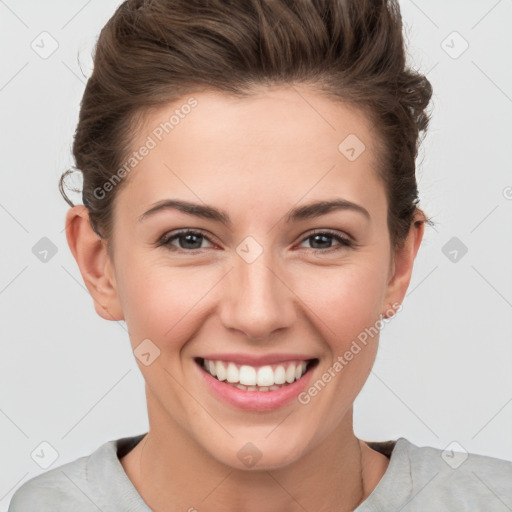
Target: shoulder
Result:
[457, 466]
[453, 478]
[89, 483]
[57, 489]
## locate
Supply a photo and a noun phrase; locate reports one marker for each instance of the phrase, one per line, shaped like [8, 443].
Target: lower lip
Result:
[256, 400]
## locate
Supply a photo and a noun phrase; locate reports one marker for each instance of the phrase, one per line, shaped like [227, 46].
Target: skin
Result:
[256, 158]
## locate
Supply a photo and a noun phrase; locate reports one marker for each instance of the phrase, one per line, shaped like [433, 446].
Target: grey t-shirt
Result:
[417, 479]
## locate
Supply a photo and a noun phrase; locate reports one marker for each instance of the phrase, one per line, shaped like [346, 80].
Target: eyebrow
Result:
[307, 211]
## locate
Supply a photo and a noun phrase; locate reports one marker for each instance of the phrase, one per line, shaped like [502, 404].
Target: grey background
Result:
[443, 371]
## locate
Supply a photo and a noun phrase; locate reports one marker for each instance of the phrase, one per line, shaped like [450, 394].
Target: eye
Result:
[323, 238]
[188, 240]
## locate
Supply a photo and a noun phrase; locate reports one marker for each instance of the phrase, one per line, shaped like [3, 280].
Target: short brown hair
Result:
[152, 52]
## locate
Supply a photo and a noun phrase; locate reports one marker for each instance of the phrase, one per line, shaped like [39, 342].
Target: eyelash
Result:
[344, 242]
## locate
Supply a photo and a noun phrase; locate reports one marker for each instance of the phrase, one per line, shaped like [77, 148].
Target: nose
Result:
[256, 299]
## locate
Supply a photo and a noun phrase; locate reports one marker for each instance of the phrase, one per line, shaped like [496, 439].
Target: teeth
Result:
[279, 375]
[290, 373]
[263, 378]
[232, 373]
[247, 375]
[220, 371]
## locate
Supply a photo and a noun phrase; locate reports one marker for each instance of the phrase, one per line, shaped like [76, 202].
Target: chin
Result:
[260, 452]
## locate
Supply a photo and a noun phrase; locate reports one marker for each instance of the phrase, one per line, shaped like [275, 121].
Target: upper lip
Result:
[255, 360]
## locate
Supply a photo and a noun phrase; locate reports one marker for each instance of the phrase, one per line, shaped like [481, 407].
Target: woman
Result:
[250, 210]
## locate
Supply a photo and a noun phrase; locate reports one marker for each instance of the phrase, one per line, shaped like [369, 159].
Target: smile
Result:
[257, 378]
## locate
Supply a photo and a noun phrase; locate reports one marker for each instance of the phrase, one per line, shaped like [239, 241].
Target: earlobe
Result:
[90, 253]
[402, 263]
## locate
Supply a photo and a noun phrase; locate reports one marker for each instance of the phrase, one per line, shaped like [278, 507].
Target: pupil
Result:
[189, 239]
[316, 237]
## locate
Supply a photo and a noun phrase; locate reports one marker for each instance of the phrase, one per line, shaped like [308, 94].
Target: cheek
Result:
[344, 299]
[161, 302]
[347, 302]
[166, 306]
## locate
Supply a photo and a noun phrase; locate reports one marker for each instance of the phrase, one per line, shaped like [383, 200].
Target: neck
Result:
[172, 472]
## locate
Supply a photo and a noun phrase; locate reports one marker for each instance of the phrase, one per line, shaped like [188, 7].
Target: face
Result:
[267, 285]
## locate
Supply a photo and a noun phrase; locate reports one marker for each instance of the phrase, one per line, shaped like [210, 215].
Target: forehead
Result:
[263, 150]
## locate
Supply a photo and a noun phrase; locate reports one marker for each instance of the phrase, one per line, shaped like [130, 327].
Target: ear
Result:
[90, 252]
[402, 261]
